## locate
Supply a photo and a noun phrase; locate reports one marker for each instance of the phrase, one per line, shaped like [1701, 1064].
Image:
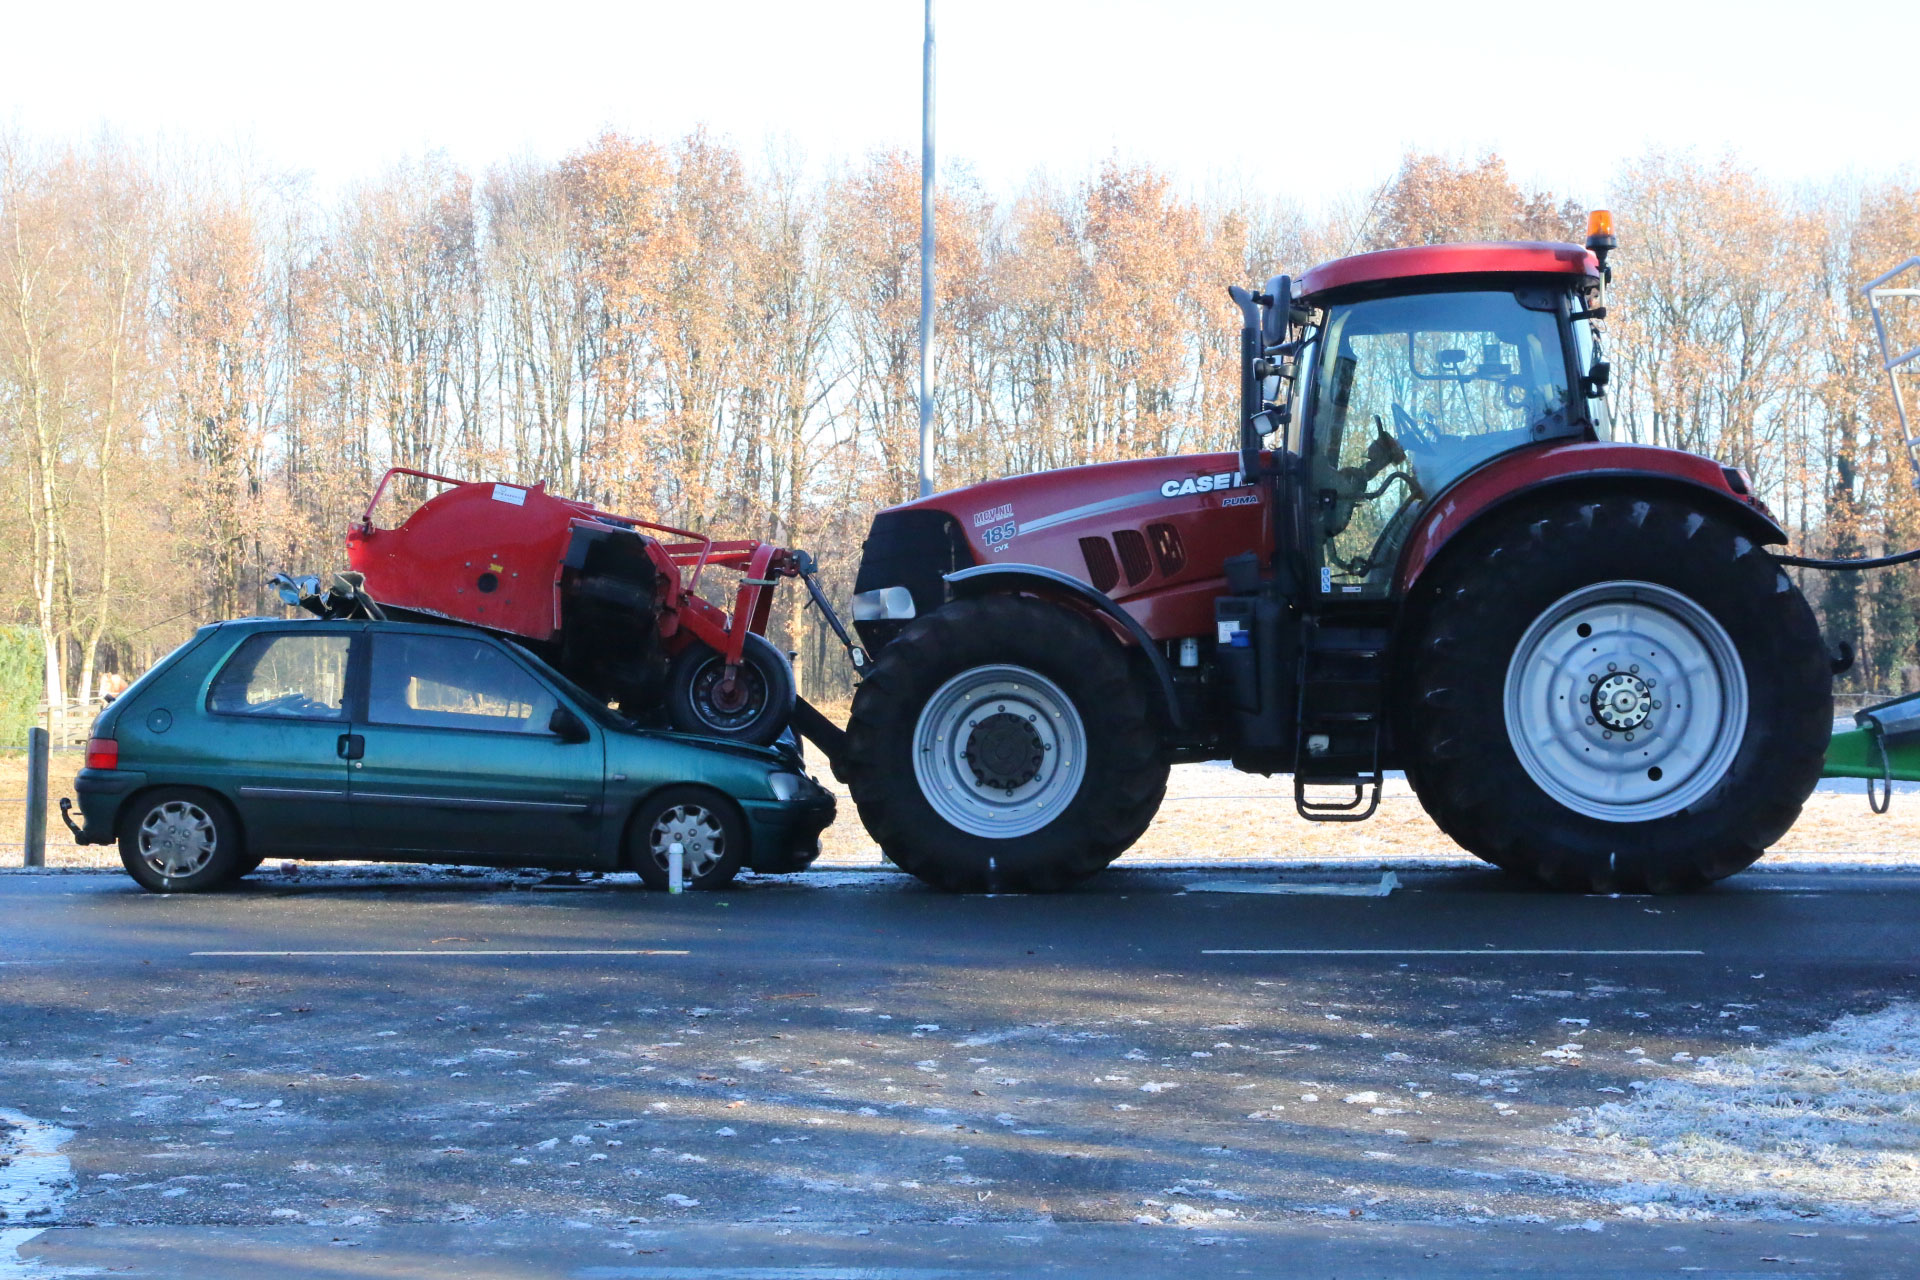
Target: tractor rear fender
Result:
[1601, 470]
[1051, 584]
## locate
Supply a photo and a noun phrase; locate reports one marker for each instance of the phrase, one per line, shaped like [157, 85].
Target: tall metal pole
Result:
[926, 263]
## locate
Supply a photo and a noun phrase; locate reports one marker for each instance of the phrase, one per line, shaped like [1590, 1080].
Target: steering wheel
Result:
[1411, 432]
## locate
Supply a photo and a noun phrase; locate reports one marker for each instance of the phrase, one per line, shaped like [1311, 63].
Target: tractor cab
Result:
[1390, 375]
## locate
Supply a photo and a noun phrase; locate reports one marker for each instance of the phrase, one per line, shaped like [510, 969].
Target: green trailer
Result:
[1883, 746]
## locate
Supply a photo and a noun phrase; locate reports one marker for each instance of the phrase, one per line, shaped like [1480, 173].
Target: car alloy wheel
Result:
[698, 832]
[177, 839]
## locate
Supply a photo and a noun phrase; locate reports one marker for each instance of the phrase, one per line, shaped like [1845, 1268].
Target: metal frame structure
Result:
[1876, 290]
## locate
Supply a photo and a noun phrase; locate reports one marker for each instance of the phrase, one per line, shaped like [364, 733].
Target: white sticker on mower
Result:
[507, 493]
[1214, 483]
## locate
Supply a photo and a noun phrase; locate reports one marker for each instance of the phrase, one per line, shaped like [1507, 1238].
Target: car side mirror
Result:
[566, 726]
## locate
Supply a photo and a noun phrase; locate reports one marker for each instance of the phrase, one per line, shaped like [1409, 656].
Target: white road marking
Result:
[1403, 951]
[1388, 883]
[438, 951]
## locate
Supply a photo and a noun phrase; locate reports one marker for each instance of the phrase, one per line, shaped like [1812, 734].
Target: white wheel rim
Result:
[177, 839]
[702, 840]
[999, 751]
[1636, 718]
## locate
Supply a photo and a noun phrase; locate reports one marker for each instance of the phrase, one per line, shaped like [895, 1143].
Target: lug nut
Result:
[1613, 666]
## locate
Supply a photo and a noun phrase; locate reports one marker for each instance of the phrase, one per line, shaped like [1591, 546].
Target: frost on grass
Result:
[1823, 1125]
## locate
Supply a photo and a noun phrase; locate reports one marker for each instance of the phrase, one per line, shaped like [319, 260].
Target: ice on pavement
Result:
[1822, 1125]
[34, 1179]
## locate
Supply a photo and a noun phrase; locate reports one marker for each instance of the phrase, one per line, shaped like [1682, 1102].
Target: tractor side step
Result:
[1366, 792]
[1342, 680]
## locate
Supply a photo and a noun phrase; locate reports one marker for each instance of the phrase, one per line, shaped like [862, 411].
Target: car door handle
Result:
[351, 746]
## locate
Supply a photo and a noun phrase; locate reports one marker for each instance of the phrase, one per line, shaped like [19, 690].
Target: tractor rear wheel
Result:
[1004, 743]
[1615, 695]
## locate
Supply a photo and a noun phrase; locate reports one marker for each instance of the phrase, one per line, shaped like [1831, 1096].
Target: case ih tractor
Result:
[1426, 555]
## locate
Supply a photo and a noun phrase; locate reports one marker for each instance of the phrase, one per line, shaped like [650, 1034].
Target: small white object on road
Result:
[676, 867]
[1388, 883]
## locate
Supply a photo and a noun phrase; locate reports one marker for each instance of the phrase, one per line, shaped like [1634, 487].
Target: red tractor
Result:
[1427, 555]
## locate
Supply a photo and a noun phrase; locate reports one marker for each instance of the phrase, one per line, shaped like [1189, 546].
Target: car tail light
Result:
[103, 753]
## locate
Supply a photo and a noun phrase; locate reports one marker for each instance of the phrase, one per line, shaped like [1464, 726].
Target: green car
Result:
[417, 743]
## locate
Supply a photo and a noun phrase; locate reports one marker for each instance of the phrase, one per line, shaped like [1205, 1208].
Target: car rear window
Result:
[297, 675]
[453, 682]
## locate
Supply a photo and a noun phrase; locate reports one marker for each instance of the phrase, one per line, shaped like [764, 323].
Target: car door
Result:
[456, 759]
[278, 711]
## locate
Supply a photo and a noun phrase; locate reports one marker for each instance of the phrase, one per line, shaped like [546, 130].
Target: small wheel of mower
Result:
[753, 706]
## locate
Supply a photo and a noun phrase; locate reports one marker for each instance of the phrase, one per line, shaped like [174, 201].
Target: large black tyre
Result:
[1031, 686]
[756, 711]
[180, 840]
[1614, 694]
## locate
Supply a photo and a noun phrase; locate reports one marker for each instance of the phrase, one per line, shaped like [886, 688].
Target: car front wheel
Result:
[708, 828]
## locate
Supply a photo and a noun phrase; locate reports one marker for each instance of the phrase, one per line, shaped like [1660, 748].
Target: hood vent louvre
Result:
[1133, 555]
[1101, 569]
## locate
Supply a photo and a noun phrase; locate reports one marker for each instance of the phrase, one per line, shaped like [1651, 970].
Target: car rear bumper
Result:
[101, 793]
[786, 834]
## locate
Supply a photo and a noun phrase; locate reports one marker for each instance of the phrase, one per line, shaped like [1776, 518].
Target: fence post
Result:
[36, 816]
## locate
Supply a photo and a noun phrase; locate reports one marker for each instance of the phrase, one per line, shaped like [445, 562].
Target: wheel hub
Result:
[697, 832]
[1622, 701]
[999, 751]
[1004, 750]
[1626, 701]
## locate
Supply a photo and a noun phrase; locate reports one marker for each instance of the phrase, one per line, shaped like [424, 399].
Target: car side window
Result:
[453, 682]
[295, 675]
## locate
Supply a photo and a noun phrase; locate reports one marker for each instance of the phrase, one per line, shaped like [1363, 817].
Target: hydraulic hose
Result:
[1873, 562]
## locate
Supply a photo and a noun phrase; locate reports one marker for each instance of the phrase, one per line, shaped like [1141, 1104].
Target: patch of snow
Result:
[1823, 1125]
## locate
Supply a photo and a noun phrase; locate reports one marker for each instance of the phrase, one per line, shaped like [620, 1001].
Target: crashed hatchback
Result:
[406, 742]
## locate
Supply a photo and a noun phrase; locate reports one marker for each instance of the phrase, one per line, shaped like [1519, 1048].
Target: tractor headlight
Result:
[886, 604]
[785, 786]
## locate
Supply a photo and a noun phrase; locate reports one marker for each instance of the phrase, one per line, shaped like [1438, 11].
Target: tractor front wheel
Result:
[1615, 695]
[1004, 743]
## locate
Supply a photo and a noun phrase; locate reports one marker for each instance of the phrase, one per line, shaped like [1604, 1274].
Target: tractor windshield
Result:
[1411, 392]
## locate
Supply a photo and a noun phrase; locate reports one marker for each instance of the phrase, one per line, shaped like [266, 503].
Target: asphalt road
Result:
[856, 1077]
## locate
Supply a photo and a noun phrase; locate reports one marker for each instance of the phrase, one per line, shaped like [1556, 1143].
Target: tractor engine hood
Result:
[1143, 532]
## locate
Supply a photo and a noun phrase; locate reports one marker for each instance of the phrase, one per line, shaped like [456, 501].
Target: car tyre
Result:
[181, 840]
[709, 827]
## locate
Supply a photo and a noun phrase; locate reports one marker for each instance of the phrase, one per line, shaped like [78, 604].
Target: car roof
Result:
[348, 624]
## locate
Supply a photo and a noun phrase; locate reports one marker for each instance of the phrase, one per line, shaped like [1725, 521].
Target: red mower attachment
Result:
[612, 601]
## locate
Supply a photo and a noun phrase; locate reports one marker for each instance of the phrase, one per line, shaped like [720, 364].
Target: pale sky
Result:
[1306, 101]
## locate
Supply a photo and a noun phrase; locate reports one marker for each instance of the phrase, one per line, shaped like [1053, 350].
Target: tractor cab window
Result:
[1410, 393]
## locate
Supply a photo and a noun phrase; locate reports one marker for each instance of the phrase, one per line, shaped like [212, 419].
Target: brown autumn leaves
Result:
[203, 370]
